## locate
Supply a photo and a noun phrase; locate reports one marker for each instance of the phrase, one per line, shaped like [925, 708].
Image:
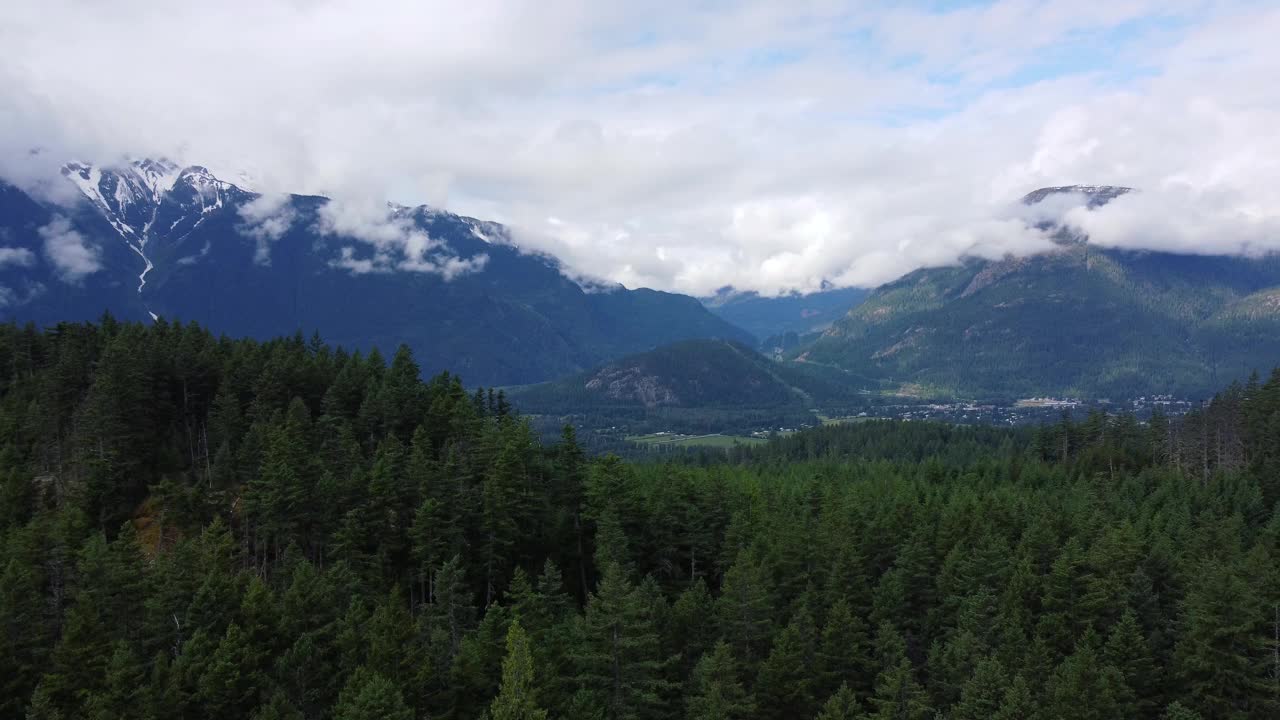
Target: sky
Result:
[687, 146]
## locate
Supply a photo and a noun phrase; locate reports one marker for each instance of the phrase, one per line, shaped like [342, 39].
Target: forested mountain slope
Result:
[1079, 320]
[152, 238]
[196, 527]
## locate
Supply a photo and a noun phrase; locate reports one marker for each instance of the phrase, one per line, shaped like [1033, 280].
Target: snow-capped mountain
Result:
[149, 200]
[151, 239]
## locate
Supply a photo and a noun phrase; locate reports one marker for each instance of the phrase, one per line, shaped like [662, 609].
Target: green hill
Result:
[691, 374]
[1080, 320]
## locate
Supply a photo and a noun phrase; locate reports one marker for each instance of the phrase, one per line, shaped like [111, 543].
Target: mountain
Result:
[153, 239]
[783, 320]
[1080, 320]
[690, 374]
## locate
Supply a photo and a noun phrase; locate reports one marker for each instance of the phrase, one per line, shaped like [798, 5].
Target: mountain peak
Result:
[1095, 195]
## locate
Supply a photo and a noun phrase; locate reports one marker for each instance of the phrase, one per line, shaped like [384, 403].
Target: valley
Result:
[565, 360]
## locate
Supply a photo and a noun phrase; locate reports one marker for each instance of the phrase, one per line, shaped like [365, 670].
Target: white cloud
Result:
[766, 145]
[10, 296]
[69, 251]
[266, 219]
[394, 241]
[347, 260]
[204, 252]
[1183, 220]
[20, 257]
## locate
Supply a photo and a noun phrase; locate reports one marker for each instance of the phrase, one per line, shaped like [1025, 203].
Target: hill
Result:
[690, 374]
[151, 239]
[1080, 320]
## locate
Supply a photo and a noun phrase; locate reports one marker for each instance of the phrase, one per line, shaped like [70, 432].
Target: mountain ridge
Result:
[1078, 320]
[153, 239]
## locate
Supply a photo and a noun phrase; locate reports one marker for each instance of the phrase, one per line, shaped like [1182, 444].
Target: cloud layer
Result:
[770, 146]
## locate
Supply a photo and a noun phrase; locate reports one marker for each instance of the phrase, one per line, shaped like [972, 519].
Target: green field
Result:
[845, 419]
[715, 441]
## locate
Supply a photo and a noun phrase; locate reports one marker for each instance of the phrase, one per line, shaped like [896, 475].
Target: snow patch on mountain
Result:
[134, 196]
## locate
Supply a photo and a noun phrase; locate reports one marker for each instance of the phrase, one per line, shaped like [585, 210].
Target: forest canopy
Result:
[195, 527]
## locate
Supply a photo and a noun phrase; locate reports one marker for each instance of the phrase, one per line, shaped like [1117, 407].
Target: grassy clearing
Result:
[716, 440]
[845, 419]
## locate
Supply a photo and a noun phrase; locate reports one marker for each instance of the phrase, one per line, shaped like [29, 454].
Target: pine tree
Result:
[502, 492]
[690, 631]
[1017, 704]
[1084, 686]
[1221, 657]
[78, 661]
[43, 706]
[784, 685]
[983, 694]
[453, 612]
[1178, 711]
[517, 695]
[744, 610]
[619, 658]
[393, 650]
[230, 686]
[716, 692]
[612, 545]
[122, 689]
[843, 705]
[898, 696]
[1062, 619]
[277, 708]
[24, 637]
[369, 696]
[477, 670]
[1128, 652]
[433, 532]
[952, 663]
[844, 653]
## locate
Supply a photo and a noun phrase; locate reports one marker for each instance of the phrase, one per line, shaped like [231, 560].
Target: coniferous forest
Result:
[200, 527]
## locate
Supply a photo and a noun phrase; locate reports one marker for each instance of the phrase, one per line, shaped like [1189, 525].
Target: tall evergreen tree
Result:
[716, 691]
[369, 696]
[843, 705]
[517, 696]
[619, 658]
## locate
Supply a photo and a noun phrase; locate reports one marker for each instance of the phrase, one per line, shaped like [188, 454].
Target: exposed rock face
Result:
[631, 383]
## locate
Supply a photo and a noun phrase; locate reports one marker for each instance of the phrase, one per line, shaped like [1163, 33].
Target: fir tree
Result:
[369, 696]
[517, 695]
[716, 691]
[619, 658]
[842, 705]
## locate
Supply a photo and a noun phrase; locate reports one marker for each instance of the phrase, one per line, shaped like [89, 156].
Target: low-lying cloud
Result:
[769, 146]
[391, 240]
[266, 219]
[21, 257]
[73, 256]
